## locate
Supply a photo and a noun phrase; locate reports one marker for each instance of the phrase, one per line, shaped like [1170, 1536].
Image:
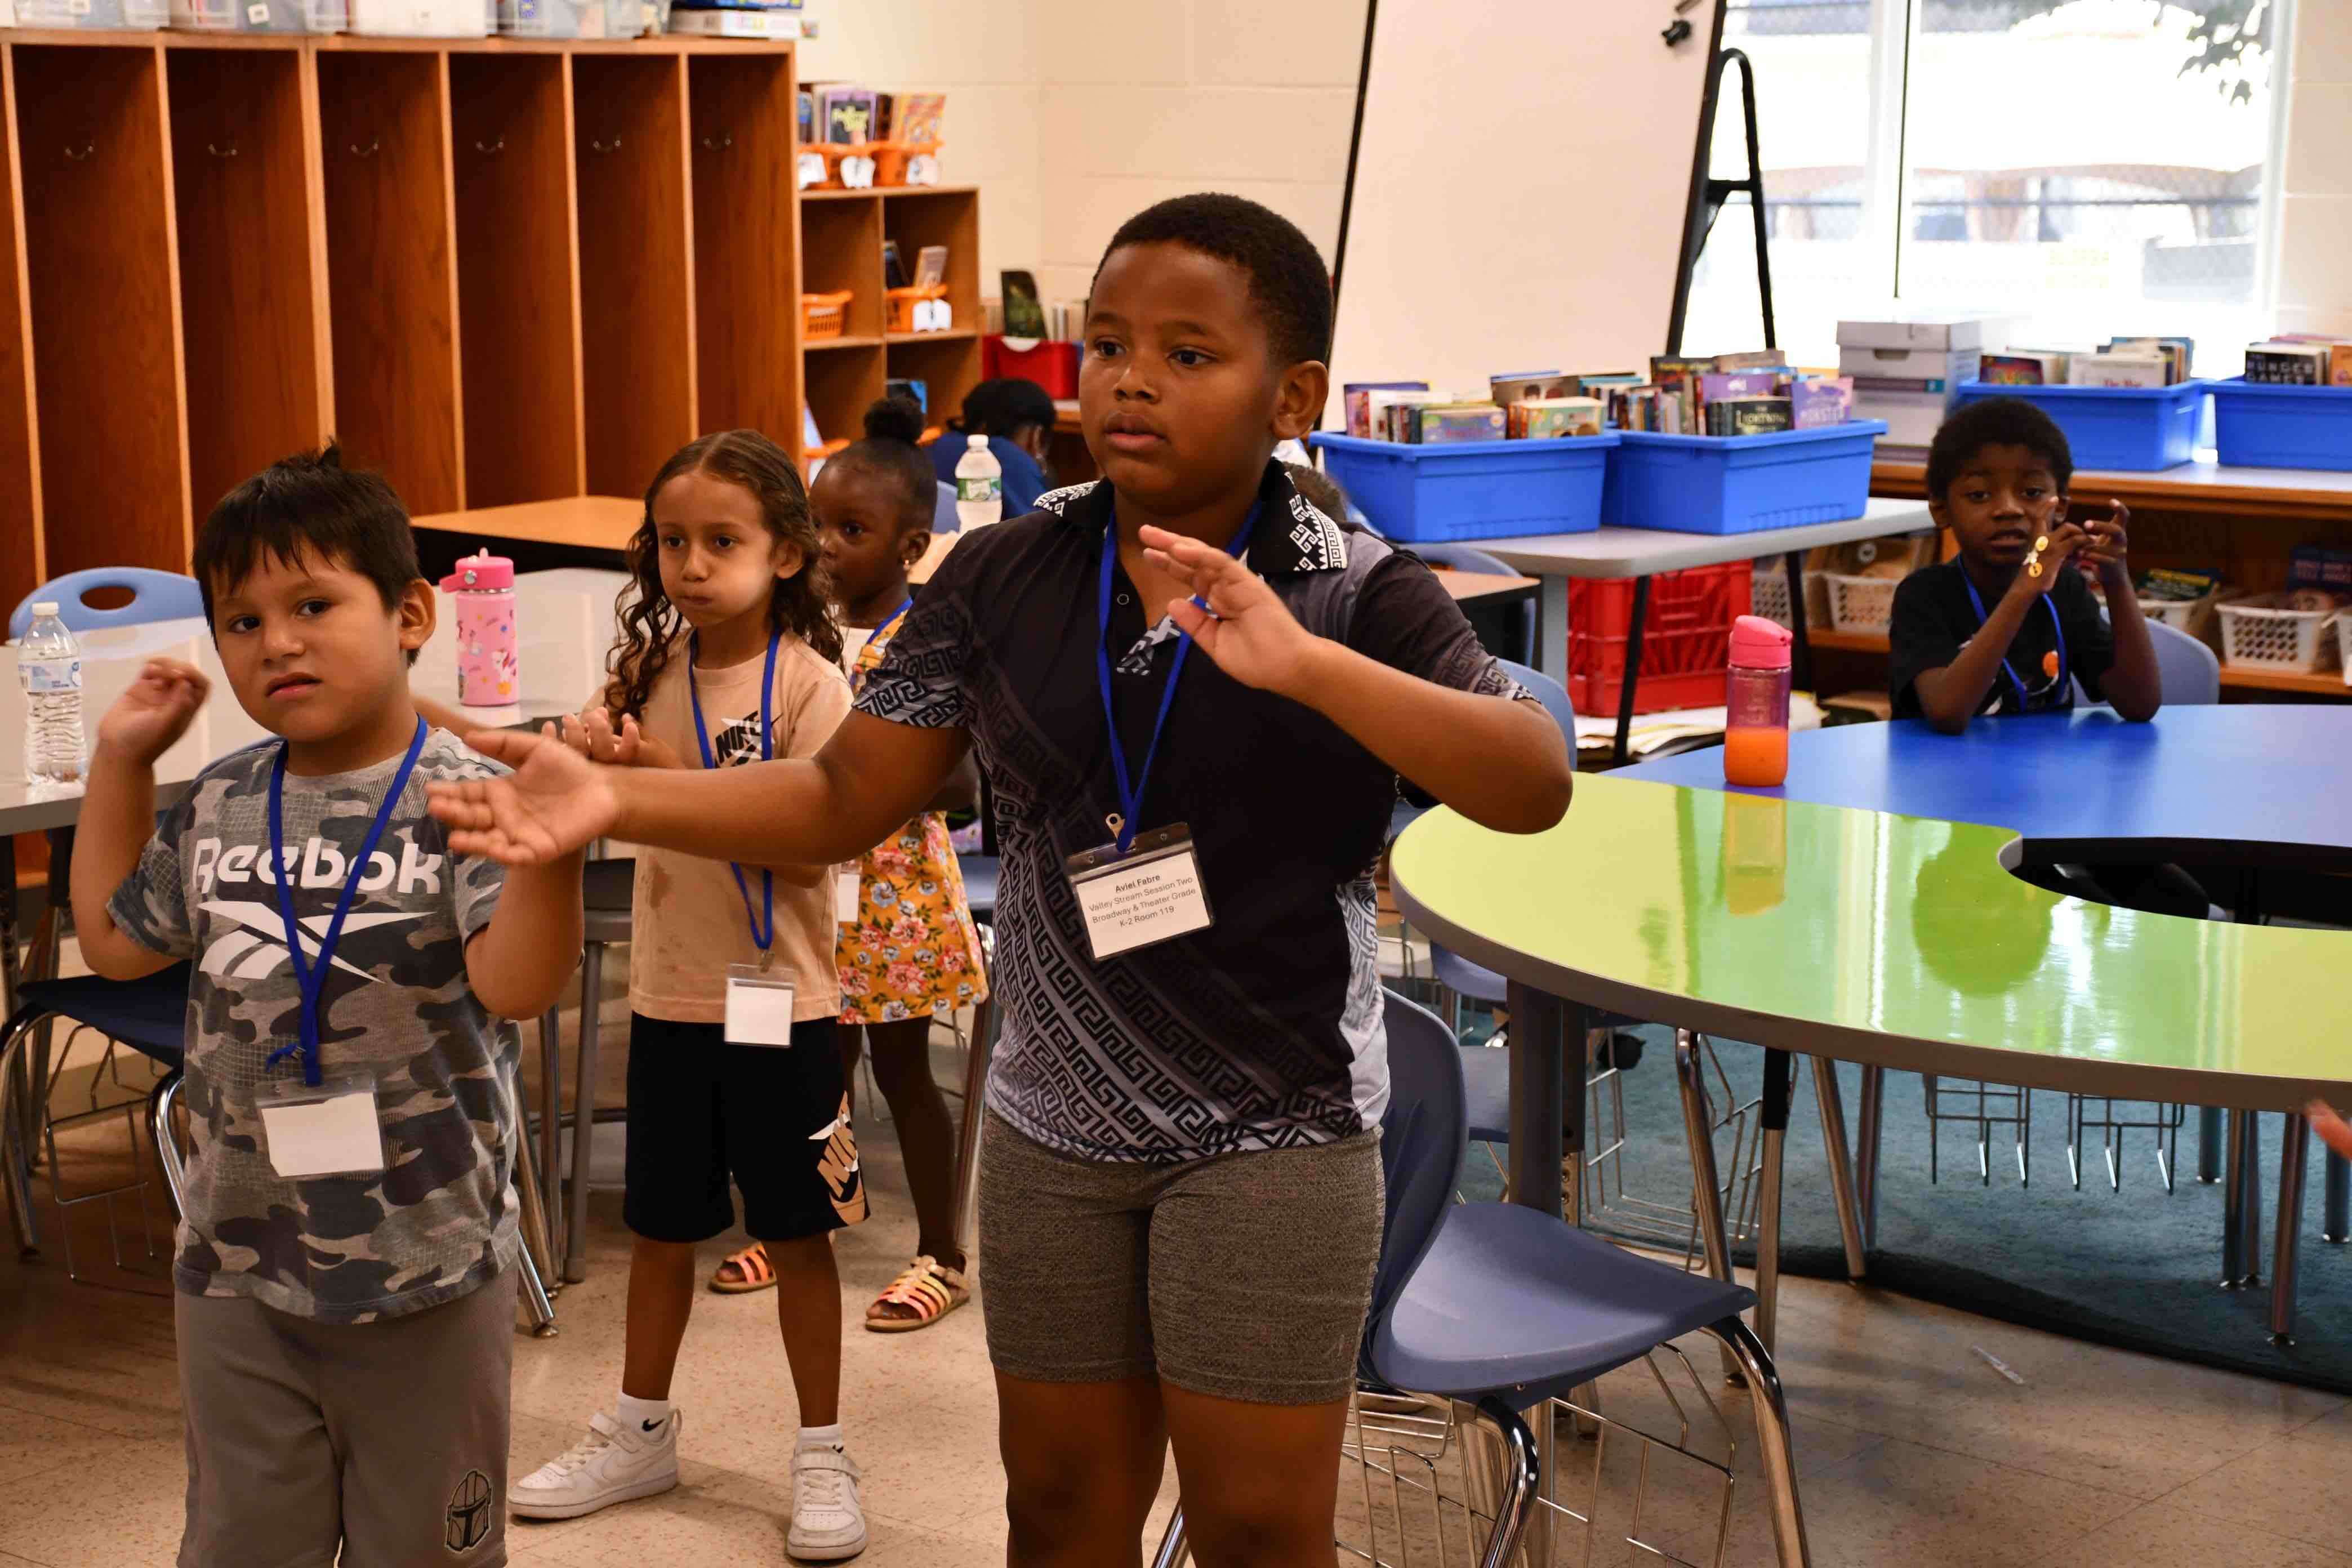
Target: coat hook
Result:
[612, 146]
[367, 151]
[87, 148]
[229, 151]
[493, 150]
[725, 139]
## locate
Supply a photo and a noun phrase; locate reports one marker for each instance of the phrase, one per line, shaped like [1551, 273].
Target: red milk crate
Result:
[1051, 365]
[1686, 637]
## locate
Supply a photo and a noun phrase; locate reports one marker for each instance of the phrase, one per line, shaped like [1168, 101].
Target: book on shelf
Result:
[2022, 367]
[1524, 386]
[1748, 416]
[918, 117]
[1818, 401]
[1446, 424]
[2176, 353]
[2119, 370]
[2283, 362]
[1547, 418]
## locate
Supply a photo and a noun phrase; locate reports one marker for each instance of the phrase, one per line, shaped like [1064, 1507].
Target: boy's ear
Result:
[1298, 401]
[1935, 512]
[418, 612]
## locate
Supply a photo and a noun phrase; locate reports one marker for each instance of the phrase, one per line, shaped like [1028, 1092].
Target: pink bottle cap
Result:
[481, 572]
[1759, 644]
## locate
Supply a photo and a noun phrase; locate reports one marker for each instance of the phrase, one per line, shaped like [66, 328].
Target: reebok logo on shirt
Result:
[317, 864]
[242, 955]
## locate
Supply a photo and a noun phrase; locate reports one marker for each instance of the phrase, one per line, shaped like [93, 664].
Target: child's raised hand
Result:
[2065, 538]
[2332, 1130]
[2109, 537]
[1248, 631]
[554, 802]
[626, 746]
[157, 709]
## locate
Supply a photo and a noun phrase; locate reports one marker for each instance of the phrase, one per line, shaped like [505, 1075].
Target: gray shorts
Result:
[386, 1441]
[1244, 1276]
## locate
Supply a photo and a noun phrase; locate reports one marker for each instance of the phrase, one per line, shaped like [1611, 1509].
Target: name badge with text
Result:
[1150, 894]
[759, 1005]
[330, 1128]
[844, 895]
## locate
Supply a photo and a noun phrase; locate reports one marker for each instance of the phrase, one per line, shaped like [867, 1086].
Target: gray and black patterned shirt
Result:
[442, 1218]
[1264, 1030]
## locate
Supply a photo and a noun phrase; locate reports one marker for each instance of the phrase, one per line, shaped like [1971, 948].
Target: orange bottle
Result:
[1756, 704]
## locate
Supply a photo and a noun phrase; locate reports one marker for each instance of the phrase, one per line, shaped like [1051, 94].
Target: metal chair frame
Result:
[2164, 1121]
[1984, 1116]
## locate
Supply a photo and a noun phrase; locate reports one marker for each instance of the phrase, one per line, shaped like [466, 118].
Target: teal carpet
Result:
[2139, 1269]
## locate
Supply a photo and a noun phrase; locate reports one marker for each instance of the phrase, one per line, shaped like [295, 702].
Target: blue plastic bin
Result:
[1472, 490]
[2258, 425]
[2135, 429]
[1739, 484]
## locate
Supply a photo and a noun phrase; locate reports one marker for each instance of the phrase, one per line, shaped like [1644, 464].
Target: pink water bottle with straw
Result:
[482, 587]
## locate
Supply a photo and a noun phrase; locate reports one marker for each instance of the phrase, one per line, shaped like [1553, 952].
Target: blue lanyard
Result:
[311, 975]
[764, 934]
[857, 679]
[1130, 789]
[1976, 601]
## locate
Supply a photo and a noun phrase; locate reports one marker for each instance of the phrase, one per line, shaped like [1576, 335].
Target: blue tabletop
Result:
[2215, 780]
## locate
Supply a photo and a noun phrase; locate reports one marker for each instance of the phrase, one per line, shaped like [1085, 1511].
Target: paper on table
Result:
[1652, 730]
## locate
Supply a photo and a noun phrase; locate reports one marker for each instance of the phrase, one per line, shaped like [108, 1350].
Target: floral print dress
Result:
[912, 949]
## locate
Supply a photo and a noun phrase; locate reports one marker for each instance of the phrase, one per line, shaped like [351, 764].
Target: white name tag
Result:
[844, 895]
[330, 1130]
[1150, 894]
[759, 1006]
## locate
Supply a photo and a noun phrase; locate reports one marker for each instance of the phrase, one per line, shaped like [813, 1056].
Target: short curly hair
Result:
[1288, 281]
[1996, 422]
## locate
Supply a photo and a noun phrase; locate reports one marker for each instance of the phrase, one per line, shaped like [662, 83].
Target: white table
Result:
[1642, 552]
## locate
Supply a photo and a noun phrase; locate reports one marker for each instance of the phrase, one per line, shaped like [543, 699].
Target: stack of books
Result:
[737, 20]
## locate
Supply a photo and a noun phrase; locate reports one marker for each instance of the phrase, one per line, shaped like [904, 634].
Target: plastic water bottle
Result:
[1756, 726]
[488, 646]
[979, 486]
[49, 661]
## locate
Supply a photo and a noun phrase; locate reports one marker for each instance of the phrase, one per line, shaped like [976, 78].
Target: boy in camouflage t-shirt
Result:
[345, 1321]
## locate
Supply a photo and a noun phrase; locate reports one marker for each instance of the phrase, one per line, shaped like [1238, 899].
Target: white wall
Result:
[2315, 275]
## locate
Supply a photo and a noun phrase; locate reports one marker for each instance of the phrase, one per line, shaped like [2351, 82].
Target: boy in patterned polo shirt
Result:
[345, 1316]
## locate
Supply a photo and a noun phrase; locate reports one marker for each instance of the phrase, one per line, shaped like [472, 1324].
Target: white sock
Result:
[820, 1436]
[642, 1414]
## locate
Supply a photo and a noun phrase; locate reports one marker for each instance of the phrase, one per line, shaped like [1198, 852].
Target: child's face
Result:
[858, 517]
[311, 649]
[718, 562]
[1179, 392]
[2003, 497]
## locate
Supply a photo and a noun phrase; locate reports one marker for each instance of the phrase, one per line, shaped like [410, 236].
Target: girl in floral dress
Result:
[910, 951]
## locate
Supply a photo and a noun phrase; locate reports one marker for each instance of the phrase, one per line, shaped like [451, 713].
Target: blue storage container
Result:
[2135, 429]
[2258, 425]
[1739, 484]
[1472, 490]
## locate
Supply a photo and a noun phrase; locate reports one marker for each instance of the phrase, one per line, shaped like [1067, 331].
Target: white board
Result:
[1520, 188]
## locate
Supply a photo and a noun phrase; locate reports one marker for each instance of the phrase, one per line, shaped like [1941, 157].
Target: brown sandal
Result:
[928, 1287]
[752, 1272]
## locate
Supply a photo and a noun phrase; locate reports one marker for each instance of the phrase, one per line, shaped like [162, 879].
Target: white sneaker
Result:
[612, 1464]
[828, 1525]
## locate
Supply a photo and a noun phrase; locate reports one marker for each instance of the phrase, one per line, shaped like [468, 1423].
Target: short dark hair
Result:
[1287, 279]
[1996, 422]
[1005, 406]
[888, 452]
[309, 504]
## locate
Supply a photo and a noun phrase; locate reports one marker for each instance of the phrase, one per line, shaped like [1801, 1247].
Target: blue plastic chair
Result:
[1469, 558]
[2189, 674]
[944, 517]
[154, 596]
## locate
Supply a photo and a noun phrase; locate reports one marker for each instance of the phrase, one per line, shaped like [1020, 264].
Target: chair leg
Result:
[1516, 1503]
[1865, 1157]
[534, 1296]
[1778, 1066]
[1833, 1110]
[537, 1244]
[1172, 1552]
[584, 1109]
[975, 1088]
[160, 1107]
[1772, 1438]
[2294, 1150]
[551, 1122]
[2338, 1228]
[2209, 1144]
[14, 1155]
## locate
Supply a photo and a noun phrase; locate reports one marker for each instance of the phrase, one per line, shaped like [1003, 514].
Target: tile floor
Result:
[1913, 1449]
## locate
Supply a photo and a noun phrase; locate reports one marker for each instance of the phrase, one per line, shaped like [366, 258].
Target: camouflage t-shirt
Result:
[442, 1218]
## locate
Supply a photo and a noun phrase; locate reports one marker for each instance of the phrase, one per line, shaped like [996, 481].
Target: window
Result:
[2078, 168]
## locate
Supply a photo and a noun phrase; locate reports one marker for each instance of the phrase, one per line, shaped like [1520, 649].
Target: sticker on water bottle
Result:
[43, 676]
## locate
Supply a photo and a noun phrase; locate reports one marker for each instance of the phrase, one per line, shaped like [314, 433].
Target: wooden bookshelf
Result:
[842, 233]
[2327, 683]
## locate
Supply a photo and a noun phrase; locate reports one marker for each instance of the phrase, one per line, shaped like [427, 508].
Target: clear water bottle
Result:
[49, 661]
[979, 486]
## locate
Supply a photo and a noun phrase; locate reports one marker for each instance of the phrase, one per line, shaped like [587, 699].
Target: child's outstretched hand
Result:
[554, 802]
[2065, 538]
[1248, 631]
[155, 712]
[2332, 1130]
[2109, 537]
[593, 736]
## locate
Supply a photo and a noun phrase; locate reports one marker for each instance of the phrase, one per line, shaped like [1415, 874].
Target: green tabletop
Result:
[1888, 940]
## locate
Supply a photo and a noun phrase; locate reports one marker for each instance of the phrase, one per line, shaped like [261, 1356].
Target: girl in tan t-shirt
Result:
[729, 656]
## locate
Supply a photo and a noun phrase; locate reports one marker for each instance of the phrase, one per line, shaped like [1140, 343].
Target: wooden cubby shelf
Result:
[841, 249]
[505, 271]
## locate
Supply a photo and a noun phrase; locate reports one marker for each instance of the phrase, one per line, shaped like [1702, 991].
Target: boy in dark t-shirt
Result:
[1996, 477]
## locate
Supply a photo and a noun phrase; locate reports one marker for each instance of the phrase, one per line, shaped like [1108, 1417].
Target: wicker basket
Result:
[1861, 603]
[1768, 592]
[824, 315]
[2258, 632]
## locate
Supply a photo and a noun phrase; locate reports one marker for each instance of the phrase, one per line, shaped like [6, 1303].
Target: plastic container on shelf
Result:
[2258, 425]
[1051, 365]
[2260, 631]
[824, 315]
[571, 18]
[2131, 429]
[910, 310]
[1739, 484]
[907, 162]
[425, 18]
[261, 15]
[1685, 637]
[97, 16]
[1861, 603]
[1472, 490]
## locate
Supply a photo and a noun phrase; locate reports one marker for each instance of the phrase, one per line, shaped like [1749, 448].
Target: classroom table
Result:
[2248, 785]
[1643, 552]
[1838, 932]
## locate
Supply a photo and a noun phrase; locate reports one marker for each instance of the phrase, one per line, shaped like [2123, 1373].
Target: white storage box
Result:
[261, 15]
[425, 19]
[120, 15]
[1911, 414]
[735, 24]
[1969, 332]
[1950, 367]
[571, 18]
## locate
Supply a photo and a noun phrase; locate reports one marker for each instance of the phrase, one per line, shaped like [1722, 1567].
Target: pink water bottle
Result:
[1756, 704]
[483, 587]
